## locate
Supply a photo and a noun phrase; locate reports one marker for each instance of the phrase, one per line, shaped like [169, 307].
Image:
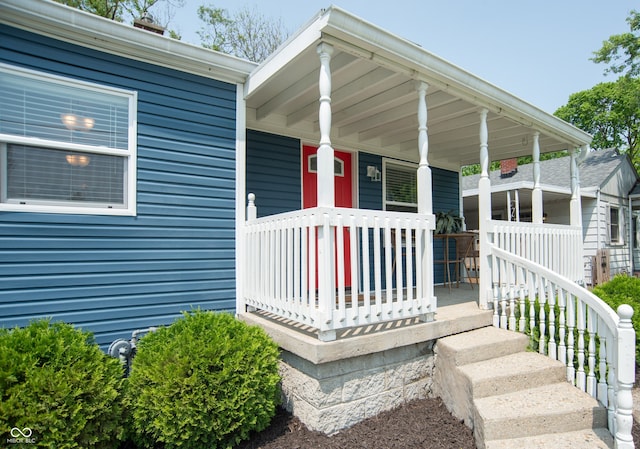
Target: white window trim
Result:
[130, 206]
[386, 161]
[620, 240]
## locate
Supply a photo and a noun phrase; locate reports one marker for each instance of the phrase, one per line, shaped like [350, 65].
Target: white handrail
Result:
[567, 321]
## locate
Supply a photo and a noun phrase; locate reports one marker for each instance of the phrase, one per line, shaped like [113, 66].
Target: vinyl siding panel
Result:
[274, 172]
[446, 197]
[370, 192]
[112, 274]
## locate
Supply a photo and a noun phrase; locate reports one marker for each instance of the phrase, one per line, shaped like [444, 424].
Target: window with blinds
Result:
[65, 145]
[400, 184]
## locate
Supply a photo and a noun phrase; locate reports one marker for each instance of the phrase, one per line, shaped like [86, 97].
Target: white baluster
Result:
[377, 265]
[602, 366]
[522, 296]
[591, 357]
[581, 379]
[355, 277]
[551, 298]
[496, 307]
[562, 332]
[542, 320]
[571, 325]
[532, 308]
[512, 298]
[340, 267]
[366, 270]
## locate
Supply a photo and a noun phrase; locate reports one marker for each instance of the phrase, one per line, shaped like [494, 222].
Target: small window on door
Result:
[338, 165]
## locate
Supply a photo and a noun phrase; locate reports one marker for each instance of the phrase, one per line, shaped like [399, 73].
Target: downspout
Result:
[241, 173]
[631, 239]
[598, 221]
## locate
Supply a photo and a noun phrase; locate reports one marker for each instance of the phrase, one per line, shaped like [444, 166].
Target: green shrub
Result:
[55, 381]
[206, 381]
[623, 289]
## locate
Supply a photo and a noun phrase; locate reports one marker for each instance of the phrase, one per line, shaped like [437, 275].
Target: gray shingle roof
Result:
[594, 171]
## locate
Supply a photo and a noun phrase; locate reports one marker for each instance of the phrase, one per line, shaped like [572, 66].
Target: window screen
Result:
[401, 187]
[65, 143]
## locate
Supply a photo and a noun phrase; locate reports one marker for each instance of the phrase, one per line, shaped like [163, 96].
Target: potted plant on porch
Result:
[448, 223]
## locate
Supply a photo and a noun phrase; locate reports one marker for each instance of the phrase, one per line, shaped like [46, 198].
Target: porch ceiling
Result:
[375, 101]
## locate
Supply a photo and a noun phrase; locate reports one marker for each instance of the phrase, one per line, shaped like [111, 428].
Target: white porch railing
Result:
[295, 267]
[556, 247]
[570, 324]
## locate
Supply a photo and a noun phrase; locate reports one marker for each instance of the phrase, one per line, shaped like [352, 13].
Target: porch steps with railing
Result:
[513, 398]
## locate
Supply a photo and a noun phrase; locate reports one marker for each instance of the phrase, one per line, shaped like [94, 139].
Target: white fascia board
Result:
[71, 25]
[426, 66]
[295, 45]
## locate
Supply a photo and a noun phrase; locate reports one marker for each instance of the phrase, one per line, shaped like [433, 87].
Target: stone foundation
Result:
[332, 396]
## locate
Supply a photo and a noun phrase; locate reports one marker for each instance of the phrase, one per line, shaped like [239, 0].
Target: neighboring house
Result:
[606, 182]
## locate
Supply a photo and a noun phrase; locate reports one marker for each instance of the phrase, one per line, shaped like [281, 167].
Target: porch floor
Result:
[457, 312]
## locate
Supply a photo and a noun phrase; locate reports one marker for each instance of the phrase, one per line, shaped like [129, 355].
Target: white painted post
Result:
[484, 214]
[252, 211]
[326, 198]
[626, 377]
[326, 187]
[536, 195]
[425, 200]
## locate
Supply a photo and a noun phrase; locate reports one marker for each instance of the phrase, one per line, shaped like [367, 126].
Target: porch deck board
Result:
[457, 312]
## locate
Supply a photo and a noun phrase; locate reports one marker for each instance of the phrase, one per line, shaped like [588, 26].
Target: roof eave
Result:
[88, 30]
[430, 68]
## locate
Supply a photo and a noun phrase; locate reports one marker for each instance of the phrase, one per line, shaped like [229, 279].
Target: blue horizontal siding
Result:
[446, 197]
[112, 274]
[273, 172]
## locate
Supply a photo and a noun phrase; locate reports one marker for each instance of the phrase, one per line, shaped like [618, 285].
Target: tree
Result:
[622, 51]
[129, 10]
[611, 113]
[247, 34]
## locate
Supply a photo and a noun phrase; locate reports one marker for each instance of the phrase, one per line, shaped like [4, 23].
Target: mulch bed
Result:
[423, 424]
[419, 424]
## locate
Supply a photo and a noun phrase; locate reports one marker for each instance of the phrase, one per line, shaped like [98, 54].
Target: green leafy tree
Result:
[610, 112]
[247, 33]
[128, 10]
[622, 51]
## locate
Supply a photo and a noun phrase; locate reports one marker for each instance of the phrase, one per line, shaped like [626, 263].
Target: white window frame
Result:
[385, 203]
[64, 207]
[613, 239]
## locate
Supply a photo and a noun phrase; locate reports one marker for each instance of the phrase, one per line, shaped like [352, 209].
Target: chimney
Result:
[146, 22]
[508, 167]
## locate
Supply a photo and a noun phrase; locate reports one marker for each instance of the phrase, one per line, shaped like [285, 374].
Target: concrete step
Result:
[512, 373]
[481, 344]
[549, 409]
[580, 439]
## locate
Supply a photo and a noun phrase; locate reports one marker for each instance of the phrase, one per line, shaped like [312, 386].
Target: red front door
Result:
[343, 180]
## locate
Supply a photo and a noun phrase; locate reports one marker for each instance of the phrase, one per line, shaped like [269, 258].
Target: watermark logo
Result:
[21, 436]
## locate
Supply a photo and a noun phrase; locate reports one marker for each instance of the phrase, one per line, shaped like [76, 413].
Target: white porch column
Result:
[425, 200]
[536, 195]
[575, 205]
[326, 198]
[484, 214]
[326, 187]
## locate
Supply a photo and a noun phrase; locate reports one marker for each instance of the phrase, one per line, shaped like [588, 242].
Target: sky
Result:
[536, 50]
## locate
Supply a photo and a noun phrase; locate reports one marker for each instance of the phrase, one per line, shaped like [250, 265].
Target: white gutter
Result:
[71, 25]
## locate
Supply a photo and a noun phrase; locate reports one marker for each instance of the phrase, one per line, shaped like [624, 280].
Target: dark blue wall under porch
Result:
[114, 274]
[273, 174]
